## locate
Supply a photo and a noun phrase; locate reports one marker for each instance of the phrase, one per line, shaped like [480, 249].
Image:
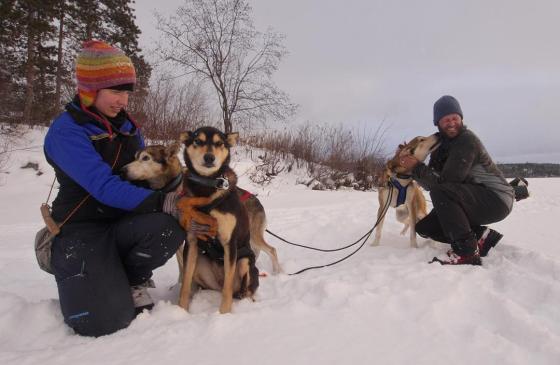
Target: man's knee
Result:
[423, 227]
[438, 193]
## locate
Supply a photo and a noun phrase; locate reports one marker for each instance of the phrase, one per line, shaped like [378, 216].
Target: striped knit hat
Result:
[101, 66]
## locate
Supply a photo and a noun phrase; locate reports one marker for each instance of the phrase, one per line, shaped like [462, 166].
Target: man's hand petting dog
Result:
[408, 162]
[192, 220]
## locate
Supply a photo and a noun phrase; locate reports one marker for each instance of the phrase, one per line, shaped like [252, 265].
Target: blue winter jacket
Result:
[87, 153]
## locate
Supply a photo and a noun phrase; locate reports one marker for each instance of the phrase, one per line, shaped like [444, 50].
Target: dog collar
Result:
[173, 184]
[221, 182]
[403, 176]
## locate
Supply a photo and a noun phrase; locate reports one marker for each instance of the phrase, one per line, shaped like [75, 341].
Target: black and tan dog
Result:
[159, 167]
[211, 198]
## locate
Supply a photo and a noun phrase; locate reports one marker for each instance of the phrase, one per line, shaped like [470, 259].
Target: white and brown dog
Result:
[406, 196]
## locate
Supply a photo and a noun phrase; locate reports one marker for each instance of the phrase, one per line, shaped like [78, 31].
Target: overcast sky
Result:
[361, 62]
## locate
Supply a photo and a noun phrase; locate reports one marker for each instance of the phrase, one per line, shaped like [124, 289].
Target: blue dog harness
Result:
[401, 198]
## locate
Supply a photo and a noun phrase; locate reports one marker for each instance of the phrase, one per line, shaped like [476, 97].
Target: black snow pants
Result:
[459, 212]
[95, 263]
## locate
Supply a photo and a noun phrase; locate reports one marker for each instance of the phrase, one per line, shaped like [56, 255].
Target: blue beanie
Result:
[445, 105]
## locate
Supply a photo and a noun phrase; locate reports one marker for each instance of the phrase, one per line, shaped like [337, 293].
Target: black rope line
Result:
[316, 248]
[364, 237]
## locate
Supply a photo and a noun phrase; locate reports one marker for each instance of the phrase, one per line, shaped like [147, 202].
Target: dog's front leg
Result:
[188, 271]
[226, 225]
[230, 263]
[382, 198]
[179, 254]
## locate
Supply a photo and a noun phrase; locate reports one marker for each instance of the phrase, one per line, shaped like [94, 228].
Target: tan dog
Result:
[411, 207]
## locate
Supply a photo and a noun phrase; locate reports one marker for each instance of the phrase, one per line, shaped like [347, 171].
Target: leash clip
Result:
[222, 183]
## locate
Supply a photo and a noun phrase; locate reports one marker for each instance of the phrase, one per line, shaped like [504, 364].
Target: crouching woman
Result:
[113, 234]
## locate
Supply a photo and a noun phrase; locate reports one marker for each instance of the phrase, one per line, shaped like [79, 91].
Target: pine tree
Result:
[26, 32]
[10, 58]
[39, 40]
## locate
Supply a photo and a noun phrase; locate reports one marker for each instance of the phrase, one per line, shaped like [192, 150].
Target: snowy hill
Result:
[385, 305]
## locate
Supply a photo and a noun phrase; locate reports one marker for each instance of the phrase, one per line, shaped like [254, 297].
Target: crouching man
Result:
[467, 190]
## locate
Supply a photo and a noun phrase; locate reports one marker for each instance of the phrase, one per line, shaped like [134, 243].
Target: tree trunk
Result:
[59, 59]
[29, 70]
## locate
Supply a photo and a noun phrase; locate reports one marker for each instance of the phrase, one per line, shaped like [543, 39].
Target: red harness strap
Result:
[246, 195]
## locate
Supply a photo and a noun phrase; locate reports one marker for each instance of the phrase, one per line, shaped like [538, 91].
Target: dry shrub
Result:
[332, 155]
[10, 136]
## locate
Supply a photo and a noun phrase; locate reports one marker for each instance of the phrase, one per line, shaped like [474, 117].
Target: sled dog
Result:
[225, 263]
[406, 195]
[160, 168]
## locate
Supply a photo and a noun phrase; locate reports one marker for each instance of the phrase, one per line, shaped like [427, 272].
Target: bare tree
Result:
[216, 41]
[346, 157]
[169, 108]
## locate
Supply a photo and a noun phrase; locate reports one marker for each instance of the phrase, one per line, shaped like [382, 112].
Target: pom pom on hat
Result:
[101, 66]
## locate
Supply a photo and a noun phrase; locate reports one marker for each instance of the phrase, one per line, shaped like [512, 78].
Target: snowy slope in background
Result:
[385, 305]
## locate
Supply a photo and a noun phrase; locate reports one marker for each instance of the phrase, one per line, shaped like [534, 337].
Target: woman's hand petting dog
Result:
[170, 204]
[202, 225]
[408, 162]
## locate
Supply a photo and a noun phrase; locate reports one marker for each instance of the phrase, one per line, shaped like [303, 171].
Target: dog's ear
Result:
[392, 165]
[185, 136]
[232, 138]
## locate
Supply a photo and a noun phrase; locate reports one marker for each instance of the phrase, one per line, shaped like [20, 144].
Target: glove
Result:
[192, 220]
[170, 204]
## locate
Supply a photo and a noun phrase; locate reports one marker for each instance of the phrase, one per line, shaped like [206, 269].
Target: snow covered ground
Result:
[385, 305]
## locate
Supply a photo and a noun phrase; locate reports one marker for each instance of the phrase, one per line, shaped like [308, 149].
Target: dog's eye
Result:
[198, 142]
[219, 144]
[145, 158]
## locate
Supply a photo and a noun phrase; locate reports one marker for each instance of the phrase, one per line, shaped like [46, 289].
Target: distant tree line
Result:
[39, 40]
[511, 170]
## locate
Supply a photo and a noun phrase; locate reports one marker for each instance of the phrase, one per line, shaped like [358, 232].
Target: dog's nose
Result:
[209, 158]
